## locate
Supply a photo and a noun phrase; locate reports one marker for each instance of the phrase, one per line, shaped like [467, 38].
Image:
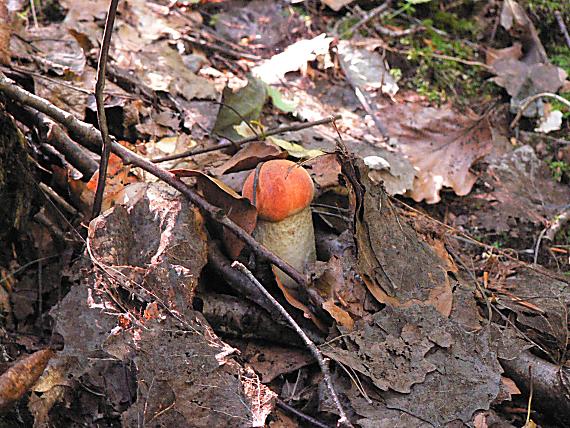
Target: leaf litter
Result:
[405, 326]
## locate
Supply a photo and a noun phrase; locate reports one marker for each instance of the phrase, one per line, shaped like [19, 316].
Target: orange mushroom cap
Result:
[283, 189]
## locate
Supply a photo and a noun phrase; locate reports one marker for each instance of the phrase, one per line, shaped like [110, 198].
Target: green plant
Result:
[558, 169]
[408, 6]
[497, 244]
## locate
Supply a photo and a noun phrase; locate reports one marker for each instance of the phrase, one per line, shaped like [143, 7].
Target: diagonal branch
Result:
[88, 135]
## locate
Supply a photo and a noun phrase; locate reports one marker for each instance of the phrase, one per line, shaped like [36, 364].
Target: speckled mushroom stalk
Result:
[283, 196]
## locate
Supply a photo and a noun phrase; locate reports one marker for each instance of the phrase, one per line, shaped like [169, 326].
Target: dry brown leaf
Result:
[398, 268]
[16, 381]
[342, 317]
[325, 171]
[510, 385]
[117, 178]
[296, 303]
[494, 55]
[337, 5]
[236, 207]
[260, 398]
[441, 143]
[271, 361]
[250, 155]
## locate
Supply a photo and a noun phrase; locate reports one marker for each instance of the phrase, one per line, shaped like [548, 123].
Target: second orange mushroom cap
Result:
[283, 189]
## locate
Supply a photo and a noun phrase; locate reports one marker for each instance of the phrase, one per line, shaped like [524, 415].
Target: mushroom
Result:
[283, 195]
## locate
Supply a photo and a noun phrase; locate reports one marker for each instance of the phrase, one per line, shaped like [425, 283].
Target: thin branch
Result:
[528, 101]
[323, 363]
[100, 99]
[286, 407]
[557, 224]
[370, 15]
[228, 144]
[79, 157]
[217, 48]
[88, 134]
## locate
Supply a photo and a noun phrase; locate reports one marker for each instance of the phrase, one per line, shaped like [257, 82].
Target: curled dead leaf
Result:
[16, 381]
[236, 207]
[250, 155]
[342, 317]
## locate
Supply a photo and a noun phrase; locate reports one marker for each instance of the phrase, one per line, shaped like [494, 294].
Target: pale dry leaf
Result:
[441, 144]
[294, 57]
[337, 5]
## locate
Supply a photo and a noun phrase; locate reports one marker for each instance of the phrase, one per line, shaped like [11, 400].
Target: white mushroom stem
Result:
[292, 239]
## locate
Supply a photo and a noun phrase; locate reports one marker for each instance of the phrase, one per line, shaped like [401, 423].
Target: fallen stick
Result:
[549, 384]
[87, 134]
[323, 364]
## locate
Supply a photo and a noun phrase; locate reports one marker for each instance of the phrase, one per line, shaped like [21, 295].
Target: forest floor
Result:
[437, 137]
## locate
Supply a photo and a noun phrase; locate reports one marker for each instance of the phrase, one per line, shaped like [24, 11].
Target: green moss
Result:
[560, 56]
[439, 73]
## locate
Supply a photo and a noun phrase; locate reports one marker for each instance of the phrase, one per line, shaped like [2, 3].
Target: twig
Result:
[87, 134]
[56, 198]
[217, 48]
[33, 9]
[398, 33]
[528, 101]
[545, 137]
[323, 364]
[228, 144]
[530, 394]
[54, 135]
[100, 99]
[286, 407]
[537, 247]
[562, 26]
[558, 223]
[370, 15]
